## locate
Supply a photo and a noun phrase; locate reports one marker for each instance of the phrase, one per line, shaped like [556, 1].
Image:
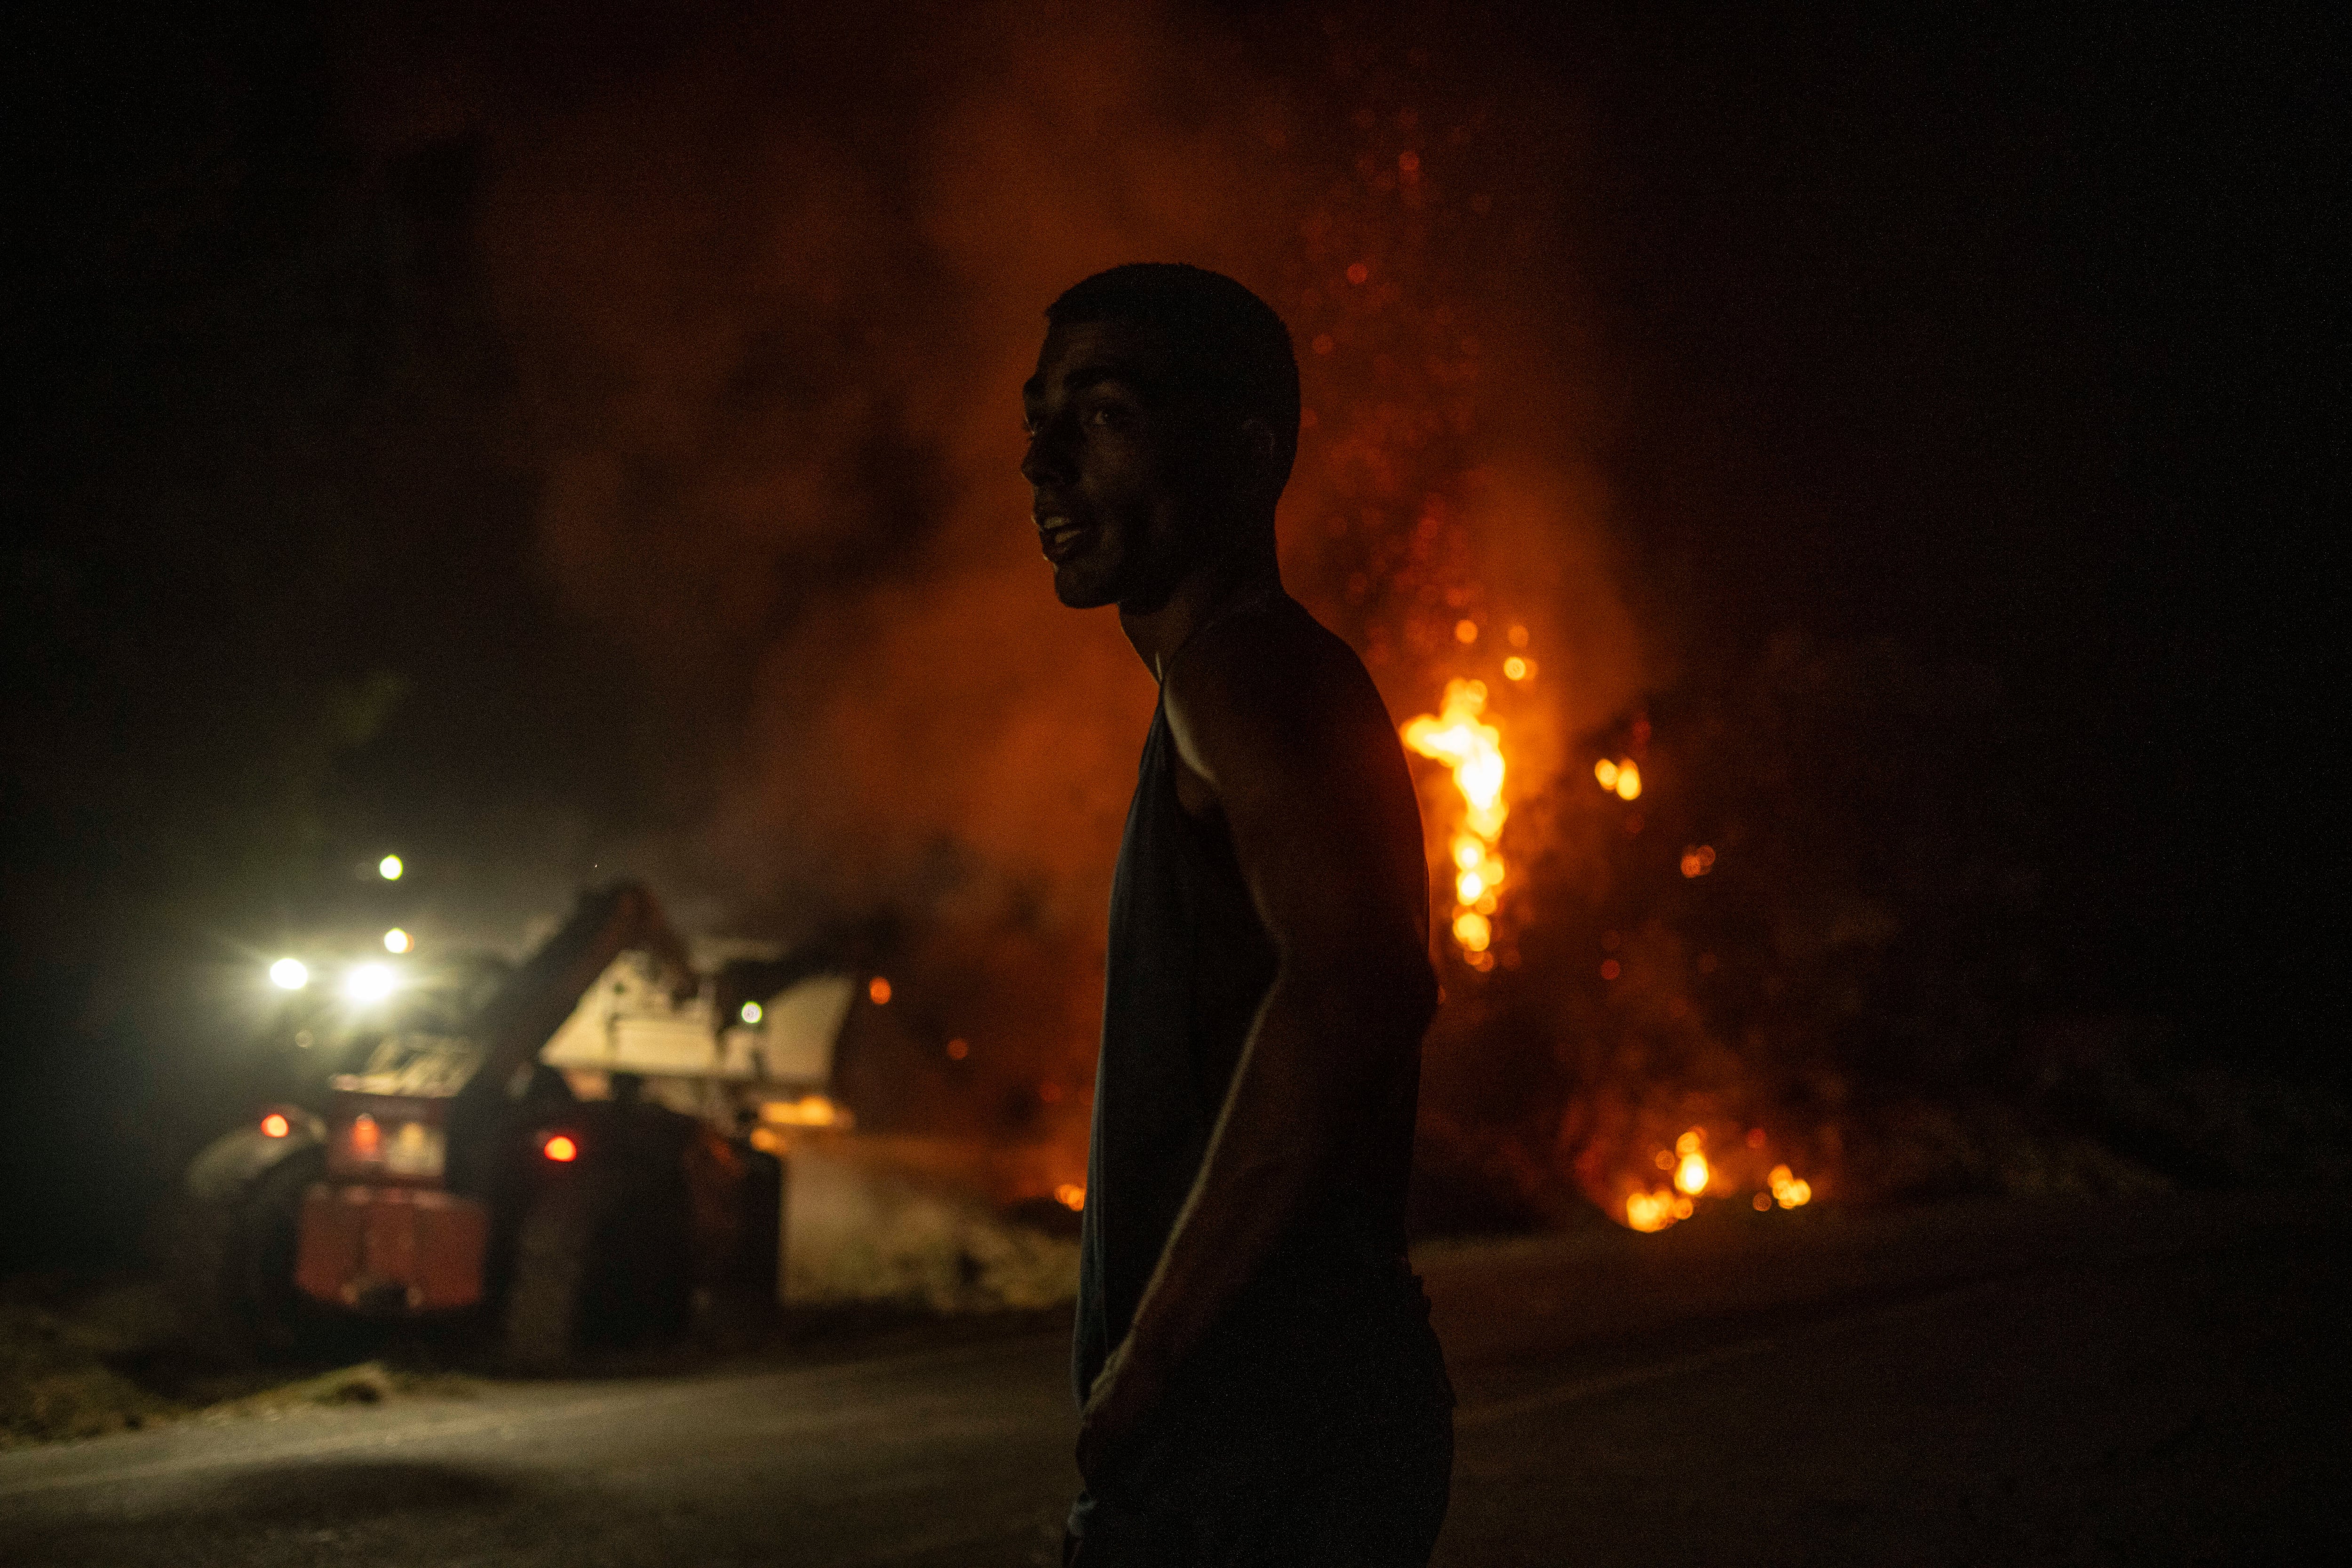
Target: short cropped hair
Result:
[1230, 347]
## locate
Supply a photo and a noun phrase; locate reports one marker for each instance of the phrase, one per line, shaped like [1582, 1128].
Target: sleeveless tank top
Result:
[1190, 962]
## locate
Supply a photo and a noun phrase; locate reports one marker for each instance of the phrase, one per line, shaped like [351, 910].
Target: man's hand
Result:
[1123, 1395]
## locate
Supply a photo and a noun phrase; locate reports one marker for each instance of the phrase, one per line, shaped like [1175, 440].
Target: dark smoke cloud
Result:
[771, 290]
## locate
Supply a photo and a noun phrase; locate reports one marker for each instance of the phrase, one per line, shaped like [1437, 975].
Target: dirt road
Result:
[2155, 1382]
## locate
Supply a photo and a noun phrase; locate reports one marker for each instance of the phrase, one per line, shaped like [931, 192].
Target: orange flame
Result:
[1655, 1211]
[1691, 1172]
[1458, 736]
[808, 1111]
[1789, 1190]
[1694, 1175]
[1070, 1195]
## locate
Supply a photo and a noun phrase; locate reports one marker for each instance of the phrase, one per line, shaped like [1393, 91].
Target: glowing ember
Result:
[1070, 1195]
[1622, 778]
[1698, 860]
[879, 990]
[1458, 736]
[1789, 1190]
[1655, 1211]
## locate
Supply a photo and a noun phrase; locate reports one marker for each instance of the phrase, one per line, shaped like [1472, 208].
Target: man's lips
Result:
[1060, 538]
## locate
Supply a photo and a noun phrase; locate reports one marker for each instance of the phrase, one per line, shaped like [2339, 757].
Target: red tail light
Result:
[275, 1125]
[560, 1148]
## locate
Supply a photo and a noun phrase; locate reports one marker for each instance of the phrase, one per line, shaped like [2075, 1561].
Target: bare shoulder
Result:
[1281, 735]
[1275, 681]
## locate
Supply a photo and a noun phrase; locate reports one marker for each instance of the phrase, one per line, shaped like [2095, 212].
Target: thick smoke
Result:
[771, 290]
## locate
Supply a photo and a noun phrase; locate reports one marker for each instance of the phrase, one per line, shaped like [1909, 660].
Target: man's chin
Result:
[1079, 589]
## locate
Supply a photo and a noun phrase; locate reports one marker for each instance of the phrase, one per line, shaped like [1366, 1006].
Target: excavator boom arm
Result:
[535, 1000]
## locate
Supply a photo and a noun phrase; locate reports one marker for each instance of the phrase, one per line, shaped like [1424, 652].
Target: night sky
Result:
[409, 452]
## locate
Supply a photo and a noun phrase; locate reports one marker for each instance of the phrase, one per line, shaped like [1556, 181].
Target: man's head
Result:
[1162, 422]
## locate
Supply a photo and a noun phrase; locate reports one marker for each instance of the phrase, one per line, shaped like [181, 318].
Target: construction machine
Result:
[578, 1162]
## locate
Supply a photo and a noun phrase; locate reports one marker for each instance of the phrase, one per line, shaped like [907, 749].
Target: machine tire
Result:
[233, 1264]
[547, 1298]
[739, 1213]
[603, 1257]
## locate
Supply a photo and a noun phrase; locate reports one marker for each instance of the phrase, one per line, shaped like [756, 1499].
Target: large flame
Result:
[1458, 736]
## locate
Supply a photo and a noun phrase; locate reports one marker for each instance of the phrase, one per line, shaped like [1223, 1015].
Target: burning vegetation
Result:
[1474, 750]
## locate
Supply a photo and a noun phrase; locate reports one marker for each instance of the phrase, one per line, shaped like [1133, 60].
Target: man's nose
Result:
[1047, 459]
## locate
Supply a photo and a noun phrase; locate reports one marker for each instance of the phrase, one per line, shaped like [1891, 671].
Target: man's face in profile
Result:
[1110, 463]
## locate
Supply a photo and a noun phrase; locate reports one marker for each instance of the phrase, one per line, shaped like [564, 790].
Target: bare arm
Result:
[1278, 731]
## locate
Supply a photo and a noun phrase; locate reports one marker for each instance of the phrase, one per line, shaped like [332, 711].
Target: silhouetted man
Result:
[1254, 1355]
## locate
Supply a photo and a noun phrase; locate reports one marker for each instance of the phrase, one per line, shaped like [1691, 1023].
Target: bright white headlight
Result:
[370, 983]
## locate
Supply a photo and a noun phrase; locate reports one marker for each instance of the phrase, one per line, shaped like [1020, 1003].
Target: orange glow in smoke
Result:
[878, 989]
[1070, 1195]
[367, 1139]
[1458, 736]
[560, 1149]
[1698, 860]
[1789, 1190]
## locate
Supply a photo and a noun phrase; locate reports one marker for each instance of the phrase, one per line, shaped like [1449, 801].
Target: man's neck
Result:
[1202, 595]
